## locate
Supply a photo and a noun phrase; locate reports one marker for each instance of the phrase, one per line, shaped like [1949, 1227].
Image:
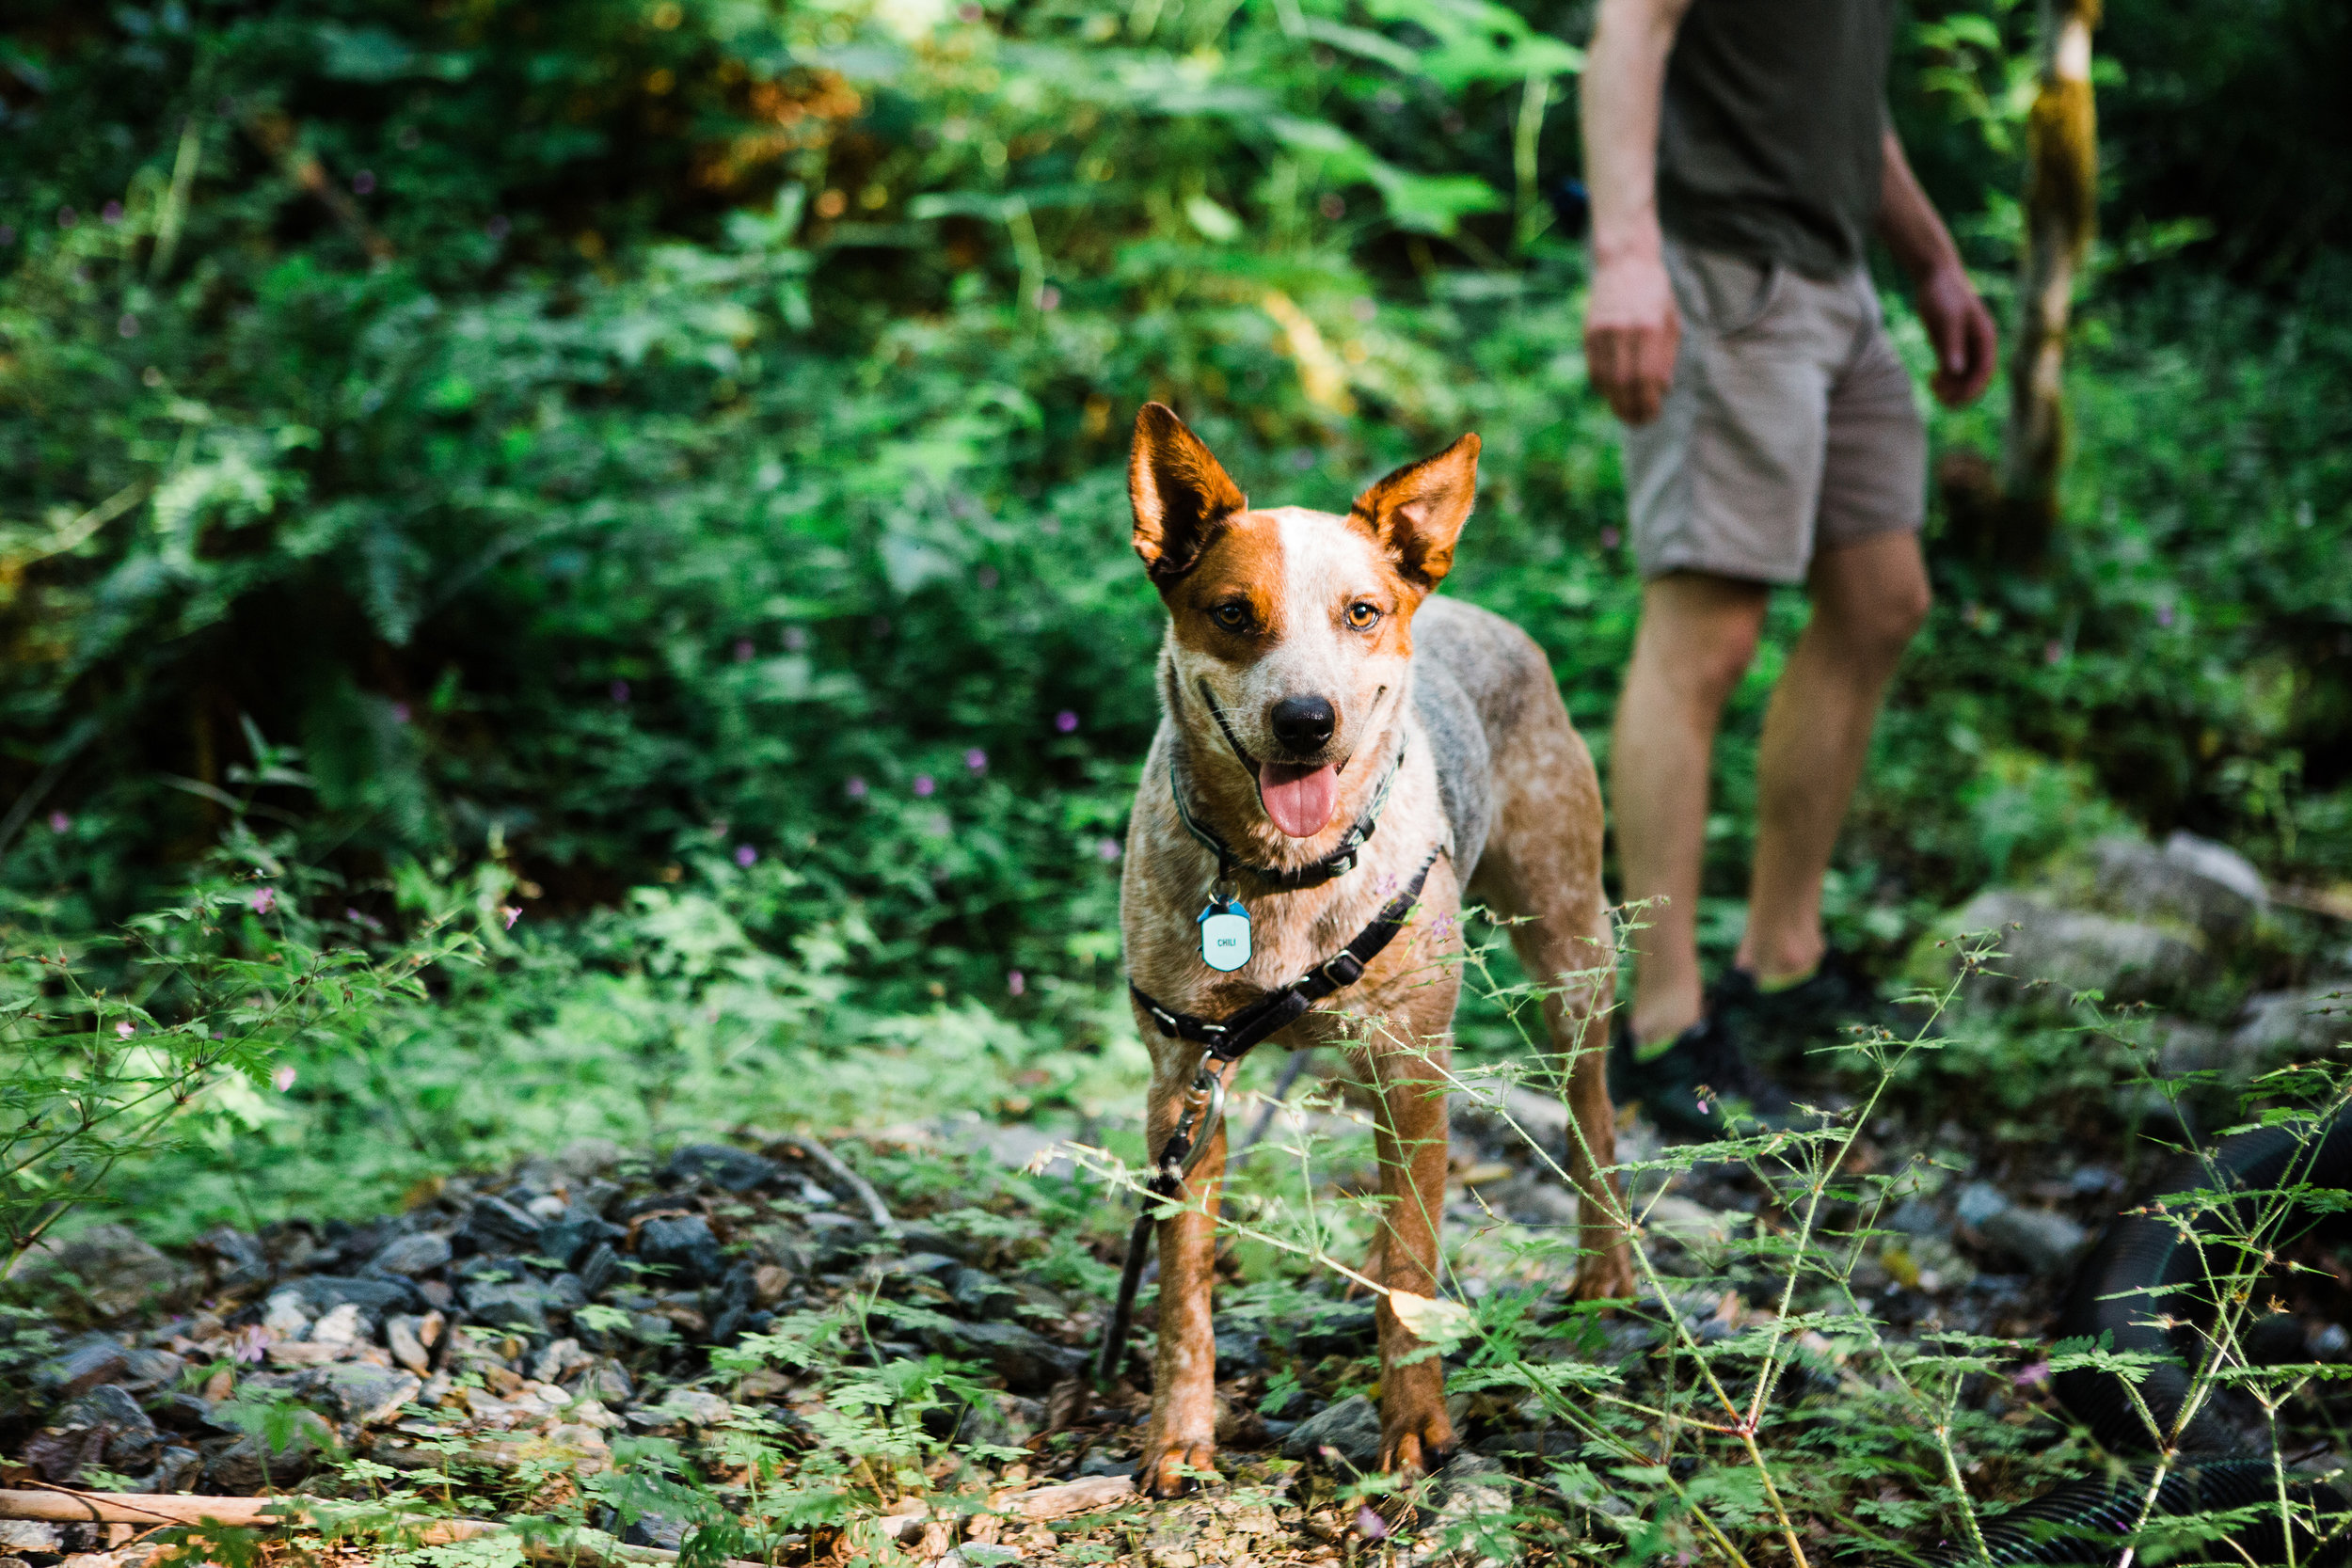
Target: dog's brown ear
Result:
[1416, 513]
[1179, 492]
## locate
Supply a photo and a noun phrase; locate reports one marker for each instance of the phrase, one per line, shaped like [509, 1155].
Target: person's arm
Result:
[1632, 329]
[1958, 326]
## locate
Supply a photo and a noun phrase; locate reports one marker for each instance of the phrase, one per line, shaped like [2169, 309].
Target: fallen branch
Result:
[839, 1170]
[1035, 1507]
[63, 1506]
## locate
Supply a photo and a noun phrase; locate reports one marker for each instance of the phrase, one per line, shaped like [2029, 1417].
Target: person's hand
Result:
[1961, 330]
[1631, 333]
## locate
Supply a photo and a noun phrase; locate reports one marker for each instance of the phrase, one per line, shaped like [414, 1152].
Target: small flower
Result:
[2033, 1376]
[794, 639]
[400, 713]
[123, 1030]
[744, 855]
[2053, 652]
[976, 759]
[110, 213]
[1442, 927]
[252, 1342]
[363, 183]
[263, 899]
[620, 691]
[59, 822]
[513, 912]
[1370, 1524]
[1016, 982]
[1610, 538]
[128, 326]
[855, 788]
[743, 650]
[357, 918]
[1107, 850]
[2164, 615]
[1066, 721]
[923, 785]
[282, 1080]
[1331, 206]
[1048, 297]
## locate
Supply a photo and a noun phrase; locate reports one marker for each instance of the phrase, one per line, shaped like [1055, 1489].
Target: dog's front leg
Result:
[1416, 1435]
[1182, 1435]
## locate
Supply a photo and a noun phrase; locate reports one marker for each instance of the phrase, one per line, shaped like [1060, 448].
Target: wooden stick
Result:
[1046, 1502]
[840, 1170]
[154, 1509]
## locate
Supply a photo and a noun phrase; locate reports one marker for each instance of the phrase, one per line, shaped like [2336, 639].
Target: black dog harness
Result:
[1227, 1040]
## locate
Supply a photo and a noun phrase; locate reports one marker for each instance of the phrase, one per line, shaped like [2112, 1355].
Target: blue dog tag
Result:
[1225, 934]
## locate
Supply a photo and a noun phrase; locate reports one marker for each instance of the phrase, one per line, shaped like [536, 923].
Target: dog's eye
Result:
[1232, 617]
[1362, 616]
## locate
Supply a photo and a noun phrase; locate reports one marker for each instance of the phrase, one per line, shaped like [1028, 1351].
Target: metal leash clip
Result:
[1186, 1144]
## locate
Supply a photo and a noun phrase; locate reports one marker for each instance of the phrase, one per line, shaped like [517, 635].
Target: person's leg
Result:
[1868, 598]
[1697, 635]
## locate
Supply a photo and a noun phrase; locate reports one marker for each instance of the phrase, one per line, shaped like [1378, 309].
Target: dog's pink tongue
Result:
[1299, 799]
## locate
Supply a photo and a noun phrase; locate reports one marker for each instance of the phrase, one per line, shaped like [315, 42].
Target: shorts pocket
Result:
[1725, 294]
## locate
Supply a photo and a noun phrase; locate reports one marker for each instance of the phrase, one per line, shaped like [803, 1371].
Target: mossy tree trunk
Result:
[2061, 211]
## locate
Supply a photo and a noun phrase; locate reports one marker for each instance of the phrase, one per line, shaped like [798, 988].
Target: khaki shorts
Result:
[1791, 426]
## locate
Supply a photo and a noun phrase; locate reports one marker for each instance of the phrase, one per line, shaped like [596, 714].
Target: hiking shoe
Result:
[1700, 1084]
[1815, 1012]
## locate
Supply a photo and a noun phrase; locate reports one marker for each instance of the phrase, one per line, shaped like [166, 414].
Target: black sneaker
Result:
[1701, 1084]
[1817, 1011]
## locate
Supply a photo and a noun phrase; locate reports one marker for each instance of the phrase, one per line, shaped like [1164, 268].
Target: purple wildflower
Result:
[363, 183]
[620, 691]
[110, 213]
[513, 912]
[924, 784]
[252, 1342]
[1066, 721]
[1370, 1524]
[976, 759]
[1016, 982]
[1610, 538]
[744, 855]
[1107, 850]
[855, 788]
[263, 899]
[743, 650]
[282, 1080]
[400, 713]
[2034, 1376]
[1048, 297]
[2164, 615]
[123, 1030]
[2053, 652]
[59, 822]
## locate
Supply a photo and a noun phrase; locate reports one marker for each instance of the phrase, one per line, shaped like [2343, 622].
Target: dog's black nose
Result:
[1303, 723]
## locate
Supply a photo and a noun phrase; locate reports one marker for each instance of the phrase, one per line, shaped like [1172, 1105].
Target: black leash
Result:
[1222, 1044]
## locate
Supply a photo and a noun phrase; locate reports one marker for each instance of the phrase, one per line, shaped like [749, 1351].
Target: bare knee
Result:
[1880, 627]
[1700, 633]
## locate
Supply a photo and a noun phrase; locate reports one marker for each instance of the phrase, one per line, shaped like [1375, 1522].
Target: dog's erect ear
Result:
[1178, 492]
[1416, 513]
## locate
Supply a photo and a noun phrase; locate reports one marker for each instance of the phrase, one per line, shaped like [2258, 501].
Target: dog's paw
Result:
[1604, 1276]
[1416, 1443]
[1173, 1470]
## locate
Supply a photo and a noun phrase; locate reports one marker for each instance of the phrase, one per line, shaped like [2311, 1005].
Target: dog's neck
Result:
[1221, 791]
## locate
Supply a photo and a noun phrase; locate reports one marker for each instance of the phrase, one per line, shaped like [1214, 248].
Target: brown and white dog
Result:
[1304, 663]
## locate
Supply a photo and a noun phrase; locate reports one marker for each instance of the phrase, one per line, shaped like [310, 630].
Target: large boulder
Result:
[2192, 882]
[2289, 1022]
[103, 1429]
[1350, 1429]
[116, 1273]
[2076, 950]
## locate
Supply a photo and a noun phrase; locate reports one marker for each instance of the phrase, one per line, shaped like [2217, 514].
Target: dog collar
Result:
[1338, 862]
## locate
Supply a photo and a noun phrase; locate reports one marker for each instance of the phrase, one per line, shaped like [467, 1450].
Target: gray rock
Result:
[2046, 1242]
[1027, 1361]
[2293, 1022]
[404, 1336]
[83, 1365]
[2073, 950]
[247, 1465]
[733, 1170]
[176, 1470]
[235, 1259]
[1351, 1429]
[522, 1303]
[496, 1226]
[371, 1395]
[1979, 1201]
[598, 1269]
[412, 1254]
[697, 1406]
[118, 1273]
[29, 1535]
[104, 1428]
[1915, 1217]
[321, 1293]
[2194, 880]
[983, 1294]
[684, 1246]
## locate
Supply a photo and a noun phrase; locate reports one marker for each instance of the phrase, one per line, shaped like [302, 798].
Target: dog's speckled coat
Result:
[1265, 605]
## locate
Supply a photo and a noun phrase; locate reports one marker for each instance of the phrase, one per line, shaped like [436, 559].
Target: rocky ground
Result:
[503, 1337]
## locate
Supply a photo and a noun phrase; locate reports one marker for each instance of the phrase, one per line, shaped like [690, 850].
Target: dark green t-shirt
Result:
[1769, 145]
